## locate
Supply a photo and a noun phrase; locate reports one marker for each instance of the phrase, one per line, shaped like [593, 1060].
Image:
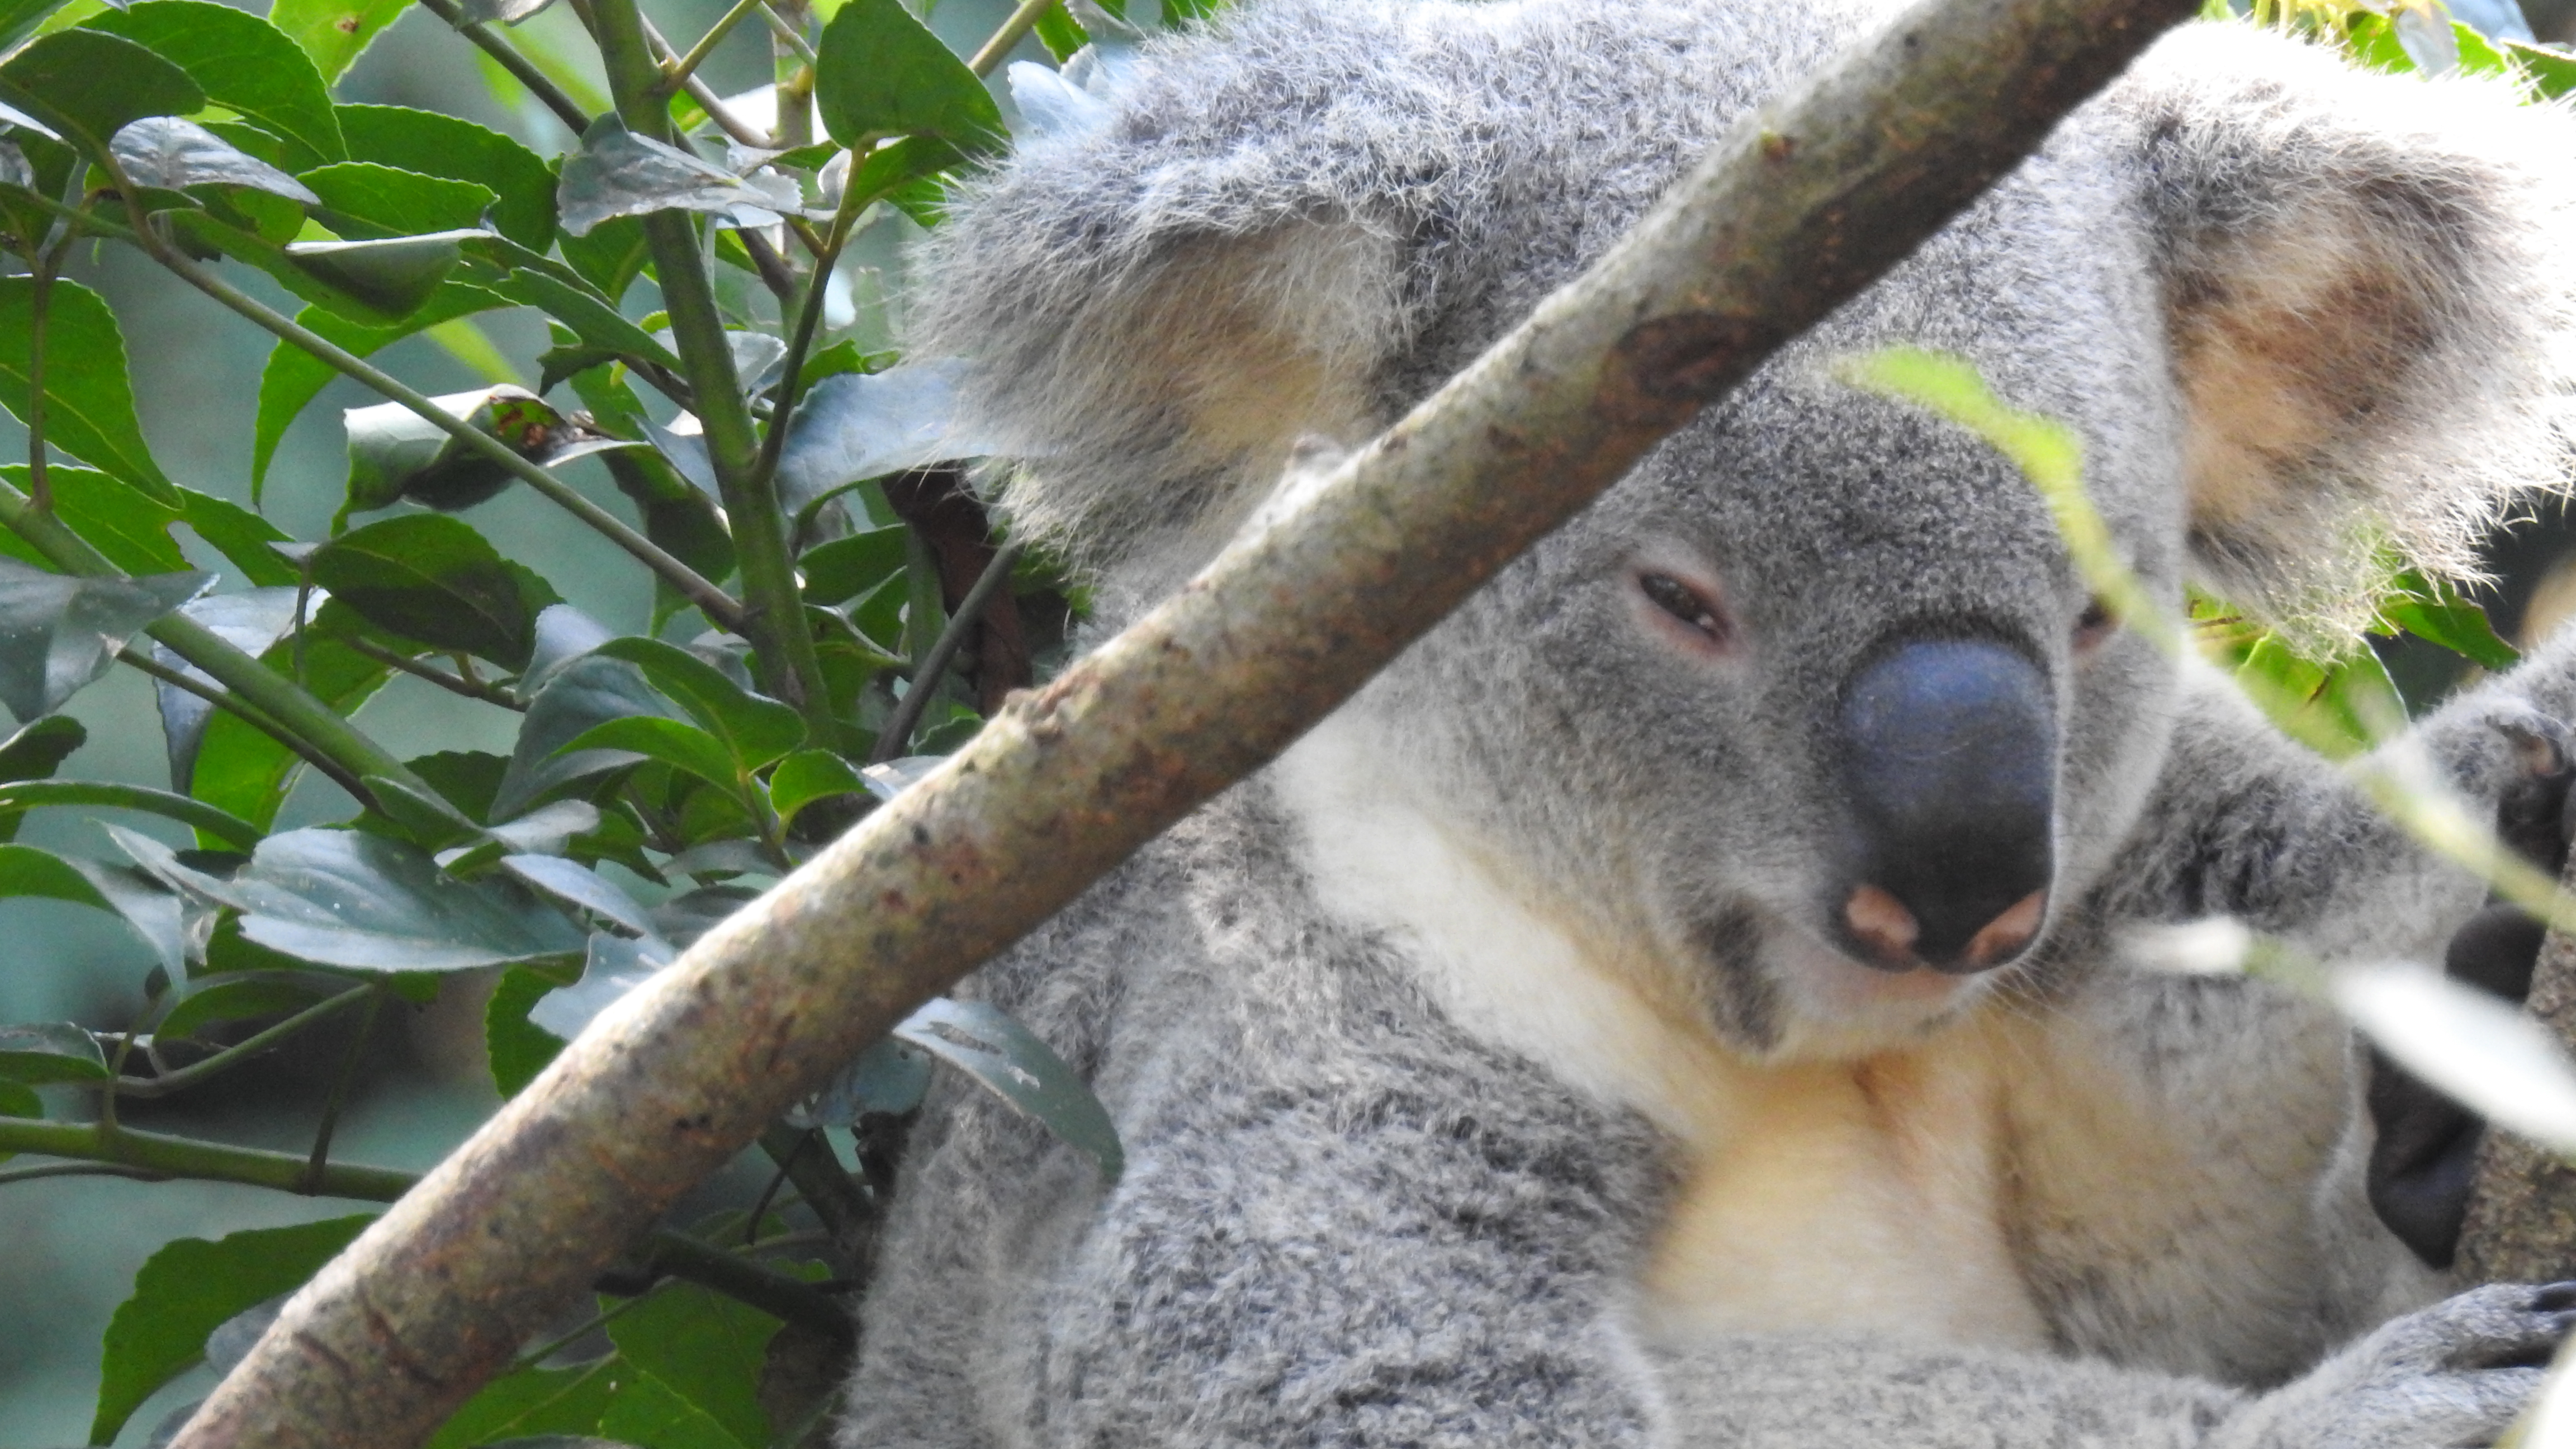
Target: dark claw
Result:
[2554, 1297]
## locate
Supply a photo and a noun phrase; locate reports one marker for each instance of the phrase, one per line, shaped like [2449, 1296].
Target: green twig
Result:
[524, 70]
[1009, 34]
[476, 689]
[170, 1083]
[795, 40]
[80, 1169]
[40, 485]
[121, 1151]
[897, 733]
[674, 72]
[846, 1213]
[320, 1160]
[232, 704]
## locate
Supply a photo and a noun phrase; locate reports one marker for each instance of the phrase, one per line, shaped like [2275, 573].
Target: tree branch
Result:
[1792, 214]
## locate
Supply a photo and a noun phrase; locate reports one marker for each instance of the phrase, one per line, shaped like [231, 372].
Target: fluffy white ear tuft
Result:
[2372, 291]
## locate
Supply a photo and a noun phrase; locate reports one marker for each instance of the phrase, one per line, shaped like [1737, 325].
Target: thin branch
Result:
[170, 1083]
[897, 734]
[469, 688]
[1009, 34]
[80, 1169]
[676, 71]
[664, 59]
[319, 1160]
[1792, 214]
[233, 704]
[794, 39]
[522, 69]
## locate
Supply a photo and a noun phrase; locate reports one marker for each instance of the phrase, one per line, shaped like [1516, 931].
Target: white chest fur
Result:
[1861, 1195]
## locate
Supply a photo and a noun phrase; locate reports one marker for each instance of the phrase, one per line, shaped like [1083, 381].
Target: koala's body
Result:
[1679, 1002]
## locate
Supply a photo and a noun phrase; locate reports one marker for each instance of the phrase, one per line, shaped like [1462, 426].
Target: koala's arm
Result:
[2247, 823]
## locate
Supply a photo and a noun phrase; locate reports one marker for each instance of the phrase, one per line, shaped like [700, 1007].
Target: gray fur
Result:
[1440, 1049]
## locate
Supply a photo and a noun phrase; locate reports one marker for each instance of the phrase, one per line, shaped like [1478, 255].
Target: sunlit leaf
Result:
[58, 634]
[89, 405]
[240, 62]
[1008, 1060]
[618, 173]
[2552, 73]
[190, 1288]
[173, 154]
[333, 32]
[807, 776]
[882, 73]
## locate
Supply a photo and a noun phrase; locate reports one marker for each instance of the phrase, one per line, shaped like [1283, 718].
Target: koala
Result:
[1682, 1000]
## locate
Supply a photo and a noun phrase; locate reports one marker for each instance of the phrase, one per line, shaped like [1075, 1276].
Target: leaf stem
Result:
[522, 69]
[40, 485]
[232, 704]
[122, 1151]
[674, 72]
[897, 733]
[146, 1089]
[846, 1213]
[774, 620]
[780, 27]
[320, 1160]
[1008, 34]
[453, 684]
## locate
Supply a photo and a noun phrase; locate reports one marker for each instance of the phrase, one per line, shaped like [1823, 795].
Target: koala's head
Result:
[1810, 718]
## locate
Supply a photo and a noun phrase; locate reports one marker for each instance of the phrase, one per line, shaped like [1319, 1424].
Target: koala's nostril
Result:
[1948, 751]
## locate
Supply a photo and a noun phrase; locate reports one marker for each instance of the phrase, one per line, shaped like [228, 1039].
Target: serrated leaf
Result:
[432, 144]
[618, 173]
[350, 899]
[131, 528]
[754, 729]
[240, 62]
[293, 377]
[89, 404]
[366, 200]
[190, 1288]
[614, 967]
[85, 83]
[241, 536]
[515, 1049]
[807, 776]
[333, 32]
[173, 154]
[866, 425]
[705, 1348]
[1007, 1059]
[37, 1052]
[428, 577]
[2552, 73]
[880, 72]
[58, 634]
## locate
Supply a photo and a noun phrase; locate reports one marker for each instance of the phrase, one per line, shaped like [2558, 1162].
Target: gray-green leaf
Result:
[618, 173]
[59, 634]
[173, 154]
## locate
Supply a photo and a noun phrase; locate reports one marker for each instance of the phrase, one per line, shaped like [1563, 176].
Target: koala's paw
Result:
[2454, 1374]
[2425, 1153]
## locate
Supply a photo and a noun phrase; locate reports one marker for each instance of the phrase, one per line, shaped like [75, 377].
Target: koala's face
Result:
[1815, 701]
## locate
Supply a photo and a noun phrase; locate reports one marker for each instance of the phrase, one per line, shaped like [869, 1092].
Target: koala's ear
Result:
[2371, 287]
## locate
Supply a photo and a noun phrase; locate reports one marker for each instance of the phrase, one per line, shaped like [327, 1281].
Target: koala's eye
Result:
[2093, 626]
[1686, 604]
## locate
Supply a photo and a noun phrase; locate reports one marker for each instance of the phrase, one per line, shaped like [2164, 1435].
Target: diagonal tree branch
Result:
[1793, 213]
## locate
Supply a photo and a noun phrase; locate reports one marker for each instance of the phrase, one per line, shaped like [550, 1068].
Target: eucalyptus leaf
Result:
[351, 899]
[1007, 1059]
[889, 1079]
[59, 634]
[618, 173]
[615, 967]
[89, 404]
[173, 154]
[880, 72]
[863, 425]
[241, 62]
[428, 577]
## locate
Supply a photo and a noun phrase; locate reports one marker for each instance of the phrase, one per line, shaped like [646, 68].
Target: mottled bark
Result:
[2522, 1207]
[1790, 215]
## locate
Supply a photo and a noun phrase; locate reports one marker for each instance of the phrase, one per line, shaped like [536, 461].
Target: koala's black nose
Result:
[1949, 754]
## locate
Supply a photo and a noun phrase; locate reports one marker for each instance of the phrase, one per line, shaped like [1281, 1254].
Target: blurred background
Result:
[69, 1247]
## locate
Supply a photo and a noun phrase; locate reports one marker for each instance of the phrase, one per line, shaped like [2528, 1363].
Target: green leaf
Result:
[133, 530]
[241, 62]
[848, 567]
[18, 797]
[2337, 707]
[618, 173]
[89, 405]
[2551, 72]
[613, 967]
[516, 1049]
[1008, 1060]
[192, 1287]
[294, 377]
[432, 144]
[35, 752]
[611, 257]
[387, 279]
[882, 73]
[19, 18]
[535, 1401]
[89, 85]
[1060, 34]
[683, 747]
[243, 769]
[537, 281]
[37, 1052]
[807, 776]
[333, 32]
[351, 899]
[647, 1412]
[364, 200]
[2432, 609]
[705, 1348]
[241, 536]
[754, 729]
[59, 634]
[244, 996]
[429, 577]
[169, 154]
[579, 696]
[395, 453]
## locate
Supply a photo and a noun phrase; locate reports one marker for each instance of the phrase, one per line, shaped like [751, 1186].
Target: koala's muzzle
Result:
[1948, 752]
